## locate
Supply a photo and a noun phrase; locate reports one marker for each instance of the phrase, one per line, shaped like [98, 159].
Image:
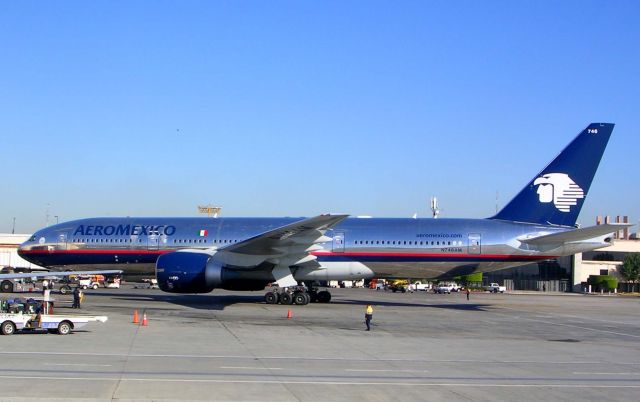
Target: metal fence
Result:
[561, 285]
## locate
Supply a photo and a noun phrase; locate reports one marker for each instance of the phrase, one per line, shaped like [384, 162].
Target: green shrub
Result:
[605, 282]
[471, 278]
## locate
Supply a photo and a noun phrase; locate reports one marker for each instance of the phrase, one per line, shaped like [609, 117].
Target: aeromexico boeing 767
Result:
[196, 255]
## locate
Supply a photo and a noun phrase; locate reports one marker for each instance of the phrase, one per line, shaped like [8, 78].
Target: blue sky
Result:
[295, 108]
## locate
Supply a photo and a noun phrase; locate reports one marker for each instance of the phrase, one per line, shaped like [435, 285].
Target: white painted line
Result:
[77, 364]
[592, 373]
[387, 371]
[250, 368]
[347, 383]
[307, 358]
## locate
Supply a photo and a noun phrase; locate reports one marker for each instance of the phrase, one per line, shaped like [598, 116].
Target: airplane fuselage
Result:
[360, 247]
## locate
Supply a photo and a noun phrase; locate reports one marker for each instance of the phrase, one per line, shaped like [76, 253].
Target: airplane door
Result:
[152, 242]
[338, 242]
[475, 243]
[62, 241]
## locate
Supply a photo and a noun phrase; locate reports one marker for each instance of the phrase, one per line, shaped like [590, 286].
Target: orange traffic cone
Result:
[289, 314]
[145, 322]
[136, 319]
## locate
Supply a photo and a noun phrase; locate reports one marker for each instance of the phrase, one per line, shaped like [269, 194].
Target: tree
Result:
[630, 270]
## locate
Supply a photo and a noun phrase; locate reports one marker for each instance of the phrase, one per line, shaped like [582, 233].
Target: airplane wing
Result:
[58, 274]
[306, 231]
[283, 247]
[576, 234]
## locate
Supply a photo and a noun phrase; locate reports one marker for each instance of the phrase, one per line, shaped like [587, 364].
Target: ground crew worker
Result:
[368, 315]
[76, 297]
[468, 292]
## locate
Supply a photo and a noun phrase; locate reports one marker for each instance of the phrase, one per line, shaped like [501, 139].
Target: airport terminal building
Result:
[9, 257]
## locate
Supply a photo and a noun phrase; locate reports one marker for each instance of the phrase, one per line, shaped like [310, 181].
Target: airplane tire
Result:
[271, 298]
[324, 297]
[65, 289]
[286, 298]
[299, 298]
[6, 287]
[8, 328]
[313, 296]
[307, 298]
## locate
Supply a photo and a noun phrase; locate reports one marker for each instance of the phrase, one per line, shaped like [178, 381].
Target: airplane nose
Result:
[21, 250]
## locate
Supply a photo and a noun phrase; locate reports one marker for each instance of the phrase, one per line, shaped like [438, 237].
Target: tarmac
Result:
[230, 346]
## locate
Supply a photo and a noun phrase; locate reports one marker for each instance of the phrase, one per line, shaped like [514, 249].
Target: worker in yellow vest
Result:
[368, 315]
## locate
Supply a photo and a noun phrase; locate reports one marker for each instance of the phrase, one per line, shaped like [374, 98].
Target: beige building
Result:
[583, 267]
[9, 257]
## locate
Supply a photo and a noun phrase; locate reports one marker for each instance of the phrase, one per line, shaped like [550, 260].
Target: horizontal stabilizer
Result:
[576, 234]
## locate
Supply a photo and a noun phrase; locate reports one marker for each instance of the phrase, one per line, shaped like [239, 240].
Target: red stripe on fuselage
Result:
[431, 255]
[95, 251]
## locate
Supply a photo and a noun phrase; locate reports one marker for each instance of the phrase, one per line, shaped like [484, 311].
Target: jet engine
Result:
[194, 272]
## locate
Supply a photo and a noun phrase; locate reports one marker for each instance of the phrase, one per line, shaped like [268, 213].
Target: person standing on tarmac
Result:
[76, 297]
[368, 315]
[468, 292]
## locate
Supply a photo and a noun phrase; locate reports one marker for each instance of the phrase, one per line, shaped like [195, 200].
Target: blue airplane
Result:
[197, 255]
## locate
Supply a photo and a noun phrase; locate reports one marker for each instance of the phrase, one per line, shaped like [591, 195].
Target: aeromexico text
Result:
[124, 230]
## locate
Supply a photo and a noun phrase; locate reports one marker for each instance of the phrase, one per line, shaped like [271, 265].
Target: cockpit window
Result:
[32, 238]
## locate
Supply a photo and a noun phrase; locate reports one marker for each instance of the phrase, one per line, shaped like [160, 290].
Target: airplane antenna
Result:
[497, 197]
[210, 210]
[13, 228]
[434, 207]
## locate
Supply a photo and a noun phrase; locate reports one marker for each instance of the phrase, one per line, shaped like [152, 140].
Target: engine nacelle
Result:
[182, 272]
[192, 272]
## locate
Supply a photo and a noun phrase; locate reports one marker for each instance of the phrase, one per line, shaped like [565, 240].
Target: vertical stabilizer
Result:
[556, 194]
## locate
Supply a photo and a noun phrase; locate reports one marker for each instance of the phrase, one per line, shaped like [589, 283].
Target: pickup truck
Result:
[495, 288]
[446, 288]
[419, 286]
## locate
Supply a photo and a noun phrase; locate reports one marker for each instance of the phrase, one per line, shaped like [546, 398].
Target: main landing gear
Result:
[296, 295]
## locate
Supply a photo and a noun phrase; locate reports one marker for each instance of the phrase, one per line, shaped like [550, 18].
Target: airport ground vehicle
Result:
[495, 288]
[399, 285]
[91, 281]
[19, 285]
[147, 283]
[17, 315]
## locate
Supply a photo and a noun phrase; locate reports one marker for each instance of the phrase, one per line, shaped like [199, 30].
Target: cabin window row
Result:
[221, 241]
[141, 240]
[409, 242]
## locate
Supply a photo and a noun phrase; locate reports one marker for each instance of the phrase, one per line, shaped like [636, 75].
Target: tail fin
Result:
[555, 195]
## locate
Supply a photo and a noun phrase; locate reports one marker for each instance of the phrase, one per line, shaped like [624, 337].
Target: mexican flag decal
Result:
[204, 233]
